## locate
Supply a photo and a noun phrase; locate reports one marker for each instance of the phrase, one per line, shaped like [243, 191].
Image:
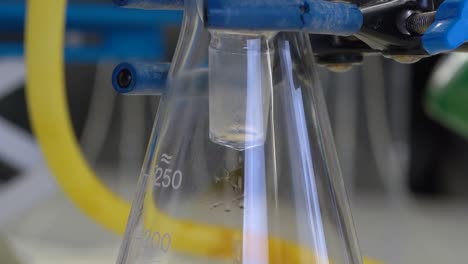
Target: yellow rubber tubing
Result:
[50, 118]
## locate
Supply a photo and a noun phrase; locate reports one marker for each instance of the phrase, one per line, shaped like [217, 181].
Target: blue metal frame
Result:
[121, 34]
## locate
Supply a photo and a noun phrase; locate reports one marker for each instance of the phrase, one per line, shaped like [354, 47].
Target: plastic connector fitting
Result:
[449, 29]
[140, 79]
[151, 4]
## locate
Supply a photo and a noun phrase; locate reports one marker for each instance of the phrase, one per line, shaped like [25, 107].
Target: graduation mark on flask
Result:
[157, 241]
[165, 177]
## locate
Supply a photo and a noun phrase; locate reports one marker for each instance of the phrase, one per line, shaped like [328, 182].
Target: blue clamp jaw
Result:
[313, 16]
[450, 28]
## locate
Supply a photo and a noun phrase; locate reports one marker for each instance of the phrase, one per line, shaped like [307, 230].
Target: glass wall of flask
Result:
[241, 167]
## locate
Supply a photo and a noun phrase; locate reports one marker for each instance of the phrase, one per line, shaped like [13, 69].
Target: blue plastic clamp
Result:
[140, 79]
[449, 30]
[313, 16]
[151, 4]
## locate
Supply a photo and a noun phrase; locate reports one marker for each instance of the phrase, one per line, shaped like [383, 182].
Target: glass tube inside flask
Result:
[240, 87]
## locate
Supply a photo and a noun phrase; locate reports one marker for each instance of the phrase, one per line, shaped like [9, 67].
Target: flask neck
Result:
[238, 41]
[192, 48]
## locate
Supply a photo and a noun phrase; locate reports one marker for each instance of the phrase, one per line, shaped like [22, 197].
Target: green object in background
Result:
[447, 96]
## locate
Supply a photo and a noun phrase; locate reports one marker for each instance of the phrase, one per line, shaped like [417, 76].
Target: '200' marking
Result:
[157, 241]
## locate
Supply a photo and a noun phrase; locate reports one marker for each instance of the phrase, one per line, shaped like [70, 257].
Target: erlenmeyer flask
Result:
[257, 182]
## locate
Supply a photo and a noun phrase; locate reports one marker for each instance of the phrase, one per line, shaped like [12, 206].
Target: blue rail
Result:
[115, 33]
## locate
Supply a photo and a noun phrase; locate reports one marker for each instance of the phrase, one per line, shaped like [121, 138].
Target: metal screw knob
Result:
[420, 22]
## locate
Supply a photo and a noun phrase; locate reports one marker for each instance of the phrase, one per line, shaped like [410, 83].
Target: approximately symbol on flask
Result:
[167, 177]
[156, 241]
[166, 158]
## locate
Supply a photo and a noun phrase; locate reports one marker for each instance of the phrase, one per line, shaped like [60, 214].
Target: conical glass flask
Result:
[241, 166]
